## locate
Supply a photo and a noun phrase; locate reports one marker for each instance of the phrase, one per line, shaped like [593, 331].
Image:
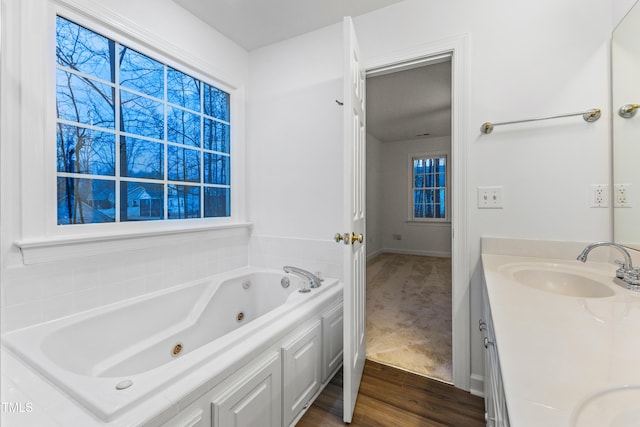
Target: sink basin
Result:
[561, 282]
[617, 407]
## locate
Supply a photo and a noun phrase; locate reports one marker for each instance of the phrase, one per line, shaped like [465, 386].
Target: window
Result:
[137, 140]
[429, 187]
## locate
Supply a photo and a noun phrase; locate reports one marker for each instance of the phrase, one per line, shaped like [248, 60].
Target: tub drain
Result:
[246, 284]
[124, 384]
[176, 350]
[240, 316]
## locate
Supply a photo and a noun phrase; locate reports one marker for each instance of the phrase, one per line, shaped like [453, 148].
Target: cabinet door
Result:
[332, 332]
[253, 400]
[495, 401]
[301, 360]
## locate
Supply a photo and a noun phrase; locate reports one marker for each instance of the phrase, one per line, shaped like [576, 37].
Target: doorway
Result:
[409, 212]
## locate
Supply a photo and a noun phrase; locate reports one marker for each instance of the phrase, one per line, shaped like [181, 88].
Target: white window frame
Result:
[432, 155]
[41, 238]
[119, 175]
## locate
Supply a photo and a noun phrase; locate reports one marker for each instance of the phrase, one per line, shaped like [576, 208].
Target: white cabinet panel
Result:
[495, 401]
[253, 400]
[196, 418]
[301, 359]
[332, 333]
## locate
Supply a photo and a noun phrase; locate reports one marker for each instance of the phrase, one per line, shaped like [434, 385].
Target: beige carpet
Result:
[409, 313]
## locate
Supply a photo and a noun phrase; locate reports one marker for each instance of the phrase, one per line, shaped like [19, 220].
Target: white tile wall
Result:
[41, 292]
[313, 255]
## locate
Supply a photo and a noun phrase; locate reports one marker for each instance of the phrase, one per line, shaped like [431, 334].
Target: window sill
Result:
[36, 251]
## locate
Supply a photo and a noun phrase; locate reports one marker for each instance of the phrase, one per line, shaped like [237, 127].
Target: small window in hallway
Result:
[429, 187]
[137, 139]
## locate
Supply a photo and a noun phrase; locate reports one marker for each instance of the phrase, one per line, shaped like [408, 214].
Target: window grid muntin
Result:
[118, 134]
[434, 189]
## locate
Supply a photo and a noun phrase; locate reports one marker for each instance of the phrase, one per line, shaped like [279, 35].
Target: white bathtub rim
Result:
[108, 404]
[38, 333]
[96, 311]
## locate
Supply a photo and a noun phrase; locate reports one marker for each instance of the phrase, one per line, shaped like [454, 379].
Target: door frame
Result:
[457, 47]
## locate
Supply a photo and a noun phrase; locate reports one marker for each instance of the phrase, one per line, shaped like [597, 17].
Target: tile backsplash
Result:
[45, 291]
[314, 255]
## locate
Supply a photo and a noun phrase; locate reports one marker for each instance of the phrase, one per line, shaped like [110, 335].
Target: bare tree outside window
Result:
[132, 132]
[429, 176]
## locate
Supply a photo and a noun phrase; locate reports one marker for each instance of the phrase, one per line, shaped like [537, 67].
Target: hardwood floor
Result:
[392, 397]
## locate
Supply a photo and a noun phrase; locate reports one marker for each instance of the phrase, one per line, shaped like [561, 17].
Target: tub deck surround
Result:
[557, 351]
[88, 354]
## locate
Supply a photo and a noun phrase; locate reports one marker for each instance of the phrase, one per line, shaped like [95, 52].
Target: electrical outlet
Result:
[599, 196]
[397, 237]
[621, 195]
[489, 197]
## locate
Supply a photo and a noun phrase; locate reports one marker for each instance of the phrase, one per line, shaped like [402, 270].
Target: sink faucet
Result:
[627, 273]
[314, 281]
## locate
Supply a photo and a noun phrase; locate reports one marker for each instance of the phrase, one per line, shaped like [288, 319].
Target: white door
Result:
[354, 222]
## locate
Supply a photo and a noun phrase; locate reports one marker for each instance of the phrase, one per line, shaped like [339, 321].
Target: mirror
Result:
[625, 73]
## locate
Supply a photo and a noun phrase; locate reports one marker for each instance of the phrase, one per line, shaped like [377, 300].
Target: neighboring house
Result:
[144, 202]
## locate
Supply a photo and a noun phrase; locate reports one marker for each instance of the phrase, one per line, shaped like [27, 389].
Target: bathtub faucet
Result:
[314, 281]
[627, 273]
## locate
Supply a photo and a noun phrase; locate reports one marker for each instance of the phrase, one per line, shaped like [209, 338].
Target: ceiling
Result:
[408, 104]
[401, 105]
[256, 23]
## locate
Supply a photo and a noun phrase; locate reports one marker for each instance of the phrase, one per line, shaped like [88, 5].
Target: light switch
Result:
[489, 197]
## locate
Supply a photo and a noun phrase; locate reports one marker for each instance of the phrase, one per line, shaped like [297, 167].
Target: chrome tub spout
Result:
[314, 281]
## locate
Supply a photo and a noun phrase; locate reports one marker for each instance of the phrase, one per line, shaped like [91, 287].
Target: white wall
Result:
[47, 290]
[621, 8]
[526, 59]
[375, 196]
[295, 152]
[432, 239]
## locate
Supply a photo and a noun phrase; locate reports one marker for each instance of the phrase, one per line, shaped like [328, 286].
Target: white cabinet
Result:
[194, 416]
[278, 385]
[495, 401]
[250, 397]
[301, 371]
[331, 342]
[251, 400]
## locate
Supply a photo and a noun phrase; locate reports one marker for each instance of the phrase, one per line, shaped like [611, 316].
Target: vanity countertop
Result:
[558, 352]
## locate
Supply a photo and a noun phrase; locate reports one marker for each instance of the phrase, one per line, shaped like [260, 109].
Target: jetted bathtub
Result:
[114, 357]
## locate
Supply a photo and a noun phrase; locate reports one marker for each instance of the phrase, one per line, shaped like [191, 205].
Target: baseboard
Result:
[477, 385]
[438, 254]
[374, 254]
